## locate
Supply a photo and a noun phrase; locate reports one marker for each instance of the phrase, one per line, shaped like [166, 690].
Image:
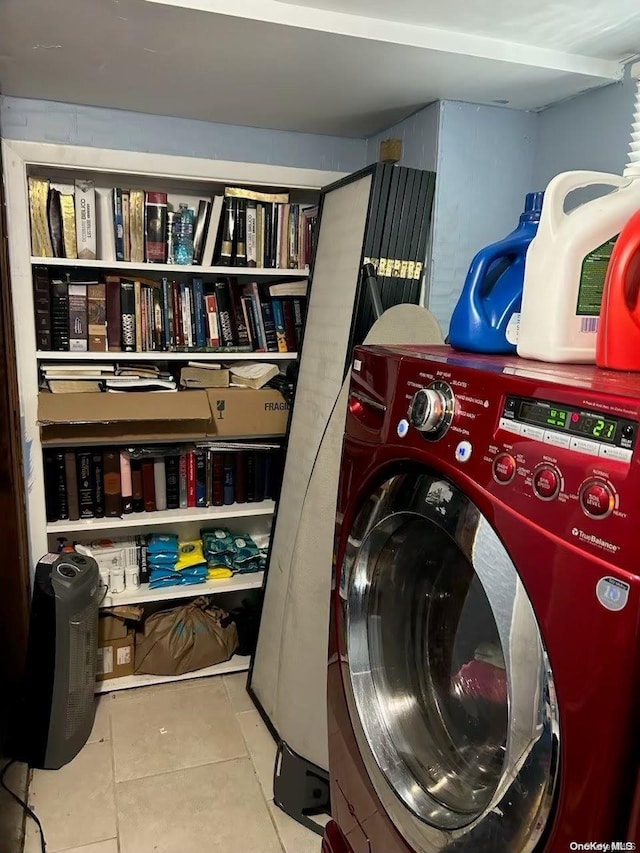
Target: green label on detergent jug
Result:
[592, 275]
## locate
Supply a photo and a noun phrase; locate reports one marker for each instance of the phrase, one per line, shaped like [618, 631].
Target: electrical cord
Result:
[23, 805]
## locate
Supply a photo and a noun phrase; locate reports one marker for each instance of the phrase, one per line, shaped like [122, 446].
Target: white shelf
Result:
[236, 664]
[162, 518]
[144, 594]
[177, 269]
[166, 356]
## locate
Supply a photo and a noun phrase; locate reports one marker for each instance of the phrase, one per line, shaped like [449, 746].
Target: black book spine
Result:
[118, 223]
[226, 245]
[50, 485]
[127, 316]
[42, 308]
[143, 561]
[241, 233]
[200, 230]
[61, 486]
[269, 490]
[85, 483]
[54, 216]
[172, 474]
[269, 322]
[136, 485]
[201, 477]
[242, 333]
[268, 227]
[225, 314]
[259, 477]
[97, 483]
[60, 316]
[229, 479]
[251, 477]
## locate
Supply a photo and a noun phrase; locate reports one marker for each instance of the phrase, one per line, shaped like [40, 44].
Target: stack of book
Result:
[114, 481]
[124, 314]
[243, 227]
[90, 378]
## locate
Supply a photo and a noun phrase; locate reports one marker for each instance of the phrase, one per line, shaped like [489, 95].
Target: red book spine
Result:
[213, 335]
[218, 479]
[289, 325]
[148, 485]
[240, 479]
[191, 478]
[155, 216]
[113, 314]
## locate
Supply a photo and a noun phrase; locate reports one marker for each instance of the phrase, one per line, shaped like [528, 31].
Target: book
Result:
[97, 474]
[288, 288]
[126, 225]
[172, 478]
[200, 230]
[127, 316]
[74, 386]
[240, 254]
[40, 237]
[148, 485]
[229, 480]
[298, 319]
[227, 231]
[257, 195]
[240, 478]
[112, 483]
[241, 329]
[59, 316]
[97, 316]
[136, 485]
[85, 198]
[155, 221]
[199, 312]
[269, 485]
[126, 482]
[42, 308]
[213, 334]
[112, 298]
[118, 223]
[183, 476]
[259, 477]
[250, 473]
[226, 323]
[251, 218]
[252, 374]
[268, 321]
[60, 479]
[50, 486]
[292, 251]
[217, 496]
[200, 377]
[201, 477]
[86, 489]
[160, 484]
[259, 235]
[278, 318]
[252, 290]
[71, 480]
[191, 478]
[137, 313]
[54, 218]
[249, 321]
[78, 331]
[289, 325]
[136, 225]
[212, 230]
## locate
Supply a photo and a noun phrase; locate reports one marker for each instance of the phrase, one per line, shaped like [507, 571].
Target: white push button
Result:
[464, 451]
[532, 432]
[619, 453]
[557, 439]
[510, 426]
[585, 446]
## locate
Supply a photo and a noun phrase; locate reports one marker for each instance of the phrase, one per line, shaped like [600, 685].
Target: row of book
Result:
[123, 314]
[243, 227]
[111, 482]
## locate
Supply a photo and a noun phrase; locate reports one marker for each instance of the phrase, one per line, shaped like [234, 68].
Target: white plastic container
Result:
[566, 266]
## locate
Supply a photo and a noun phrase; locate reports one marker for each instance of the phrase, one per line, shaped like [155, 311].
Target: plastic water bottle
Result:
[183, 248]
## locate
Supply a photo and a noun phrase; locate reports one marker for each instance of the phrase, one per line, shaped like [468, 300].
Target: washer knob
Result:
[427, 410]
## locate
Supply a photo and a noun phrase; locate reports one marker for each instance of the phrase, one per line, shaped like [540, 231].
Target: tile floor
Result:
[176, 768]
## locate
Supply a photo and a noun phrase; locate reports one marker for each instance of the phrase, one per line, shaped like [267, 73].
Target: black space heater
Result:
[61, 660]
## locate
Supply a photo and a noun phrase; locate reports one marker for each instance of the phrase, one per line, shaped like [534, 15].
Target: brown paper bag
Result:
[185, 638]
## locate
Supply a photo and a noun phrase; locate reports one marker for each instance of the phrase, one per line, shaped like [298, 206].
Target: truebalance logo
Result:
[590, 539]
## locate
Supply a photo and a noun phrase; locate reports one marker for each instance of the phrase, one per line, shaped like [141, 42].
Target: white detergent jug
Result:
[567, 260]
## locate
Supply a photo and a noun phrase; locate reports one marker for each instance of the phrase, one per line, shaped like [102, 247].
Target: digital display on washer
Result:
[604, 428]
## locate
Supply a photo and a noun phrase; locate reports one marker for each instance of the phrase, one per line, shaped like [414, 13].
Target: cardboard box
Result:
[246, 413]
[110, 628]
[66, 419]
[116, 656]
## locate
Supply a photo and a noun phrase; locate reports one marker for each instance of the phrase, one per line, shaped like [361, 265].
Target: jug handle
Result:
[481, 263]
[629, 269]
[560, 187]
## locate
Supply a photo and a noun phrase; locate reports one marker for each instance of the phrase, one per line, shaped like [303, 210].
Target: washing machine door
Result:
[448, 684]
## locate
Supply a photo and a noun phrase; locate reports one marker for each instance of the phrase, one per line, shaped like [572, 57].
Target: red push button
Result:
[504, 468]
[546, 483]
[597, 499]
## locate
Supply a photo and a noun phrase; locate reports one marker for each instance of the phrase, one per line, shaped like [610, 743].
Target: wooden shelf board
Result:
[237, 663]
[166, 356]
[176, 269]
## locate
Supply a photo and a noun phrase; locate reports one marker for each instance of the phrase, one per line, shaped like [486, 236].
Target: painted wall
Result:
[419, 134]
[587, 132]
[49, 121]
[485, 168]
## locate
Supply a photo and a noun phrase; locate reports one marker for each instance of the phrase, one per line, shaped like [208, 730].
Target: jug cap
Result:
[532, 207]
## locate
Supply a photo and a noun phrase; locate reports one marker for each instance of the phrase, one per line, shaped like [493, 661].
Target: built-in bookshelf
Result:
[185, 180]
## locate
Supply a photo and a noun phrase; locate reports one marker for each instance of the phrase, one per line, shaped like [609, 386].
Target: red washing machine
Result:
[483, 672]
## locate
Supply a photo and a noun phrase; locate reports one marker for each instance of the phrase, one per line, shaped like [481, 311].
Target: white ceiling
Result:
[265, 63]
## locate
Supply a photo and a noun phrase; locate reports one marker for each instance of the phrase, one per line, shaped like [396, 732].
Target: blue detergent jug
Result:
[487, 315]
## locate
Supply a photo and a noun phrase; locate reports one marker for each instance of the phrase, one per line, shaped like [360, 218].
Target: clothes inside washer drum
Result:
[291, 656]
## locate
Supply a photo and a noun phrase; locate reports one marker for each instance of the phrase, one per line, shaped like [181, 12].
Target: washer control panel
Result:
[431, 410]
